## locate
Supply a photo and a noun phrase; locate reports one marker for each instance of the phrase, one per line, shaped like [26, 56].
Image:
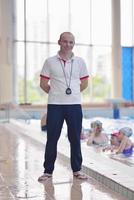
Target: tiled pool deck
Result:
[115, 173]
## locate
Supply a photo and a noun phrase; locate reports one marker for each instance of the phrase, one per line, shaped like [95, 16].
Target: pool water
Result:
[110, 125]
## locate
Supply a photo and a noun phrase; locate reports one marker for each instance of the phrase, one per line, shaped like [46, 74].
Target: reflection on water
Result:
[49, 189]
[77, 190]
[18, 167]
[76, 185]
[71, 190]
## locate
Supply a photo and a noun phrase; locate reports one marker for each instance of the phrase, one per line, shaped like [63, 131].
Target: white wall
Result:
[6, 50]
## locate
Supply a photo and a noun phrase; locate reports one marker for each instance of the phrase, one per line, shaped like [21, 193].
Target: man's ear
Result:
[58, 42]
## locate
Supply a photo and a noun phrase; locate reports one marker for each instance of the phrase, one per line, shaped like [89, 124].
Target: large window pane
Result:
[101, 22]
[19, 20]
[53, 49]
[58, 18]
[20, 72]
[101, 74]
[89, 20]
[84, 52]
[36, 20]
[127, 22]
[80, 20]
[36, 54]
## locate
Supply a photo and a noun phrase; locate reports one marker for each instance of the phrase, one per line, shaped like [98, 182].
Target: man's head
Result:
[66, 41]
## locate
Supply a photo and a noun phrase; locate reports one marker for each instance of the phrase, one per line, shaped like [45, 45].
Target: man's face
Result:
[66, 42]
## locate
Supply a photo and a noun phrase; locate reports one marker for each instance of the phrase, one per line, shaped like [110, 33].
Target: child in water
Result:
[97, 137]
[126, 145]
[114, 142]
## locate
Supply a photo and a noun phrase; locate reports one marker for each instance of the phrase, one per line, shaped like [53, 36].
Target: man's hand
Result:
[44, 84]
[84, 84]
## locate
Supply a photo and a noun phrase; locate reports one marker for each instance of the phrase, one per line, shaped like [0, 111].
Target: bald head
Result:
[66, 43]
[65, 34]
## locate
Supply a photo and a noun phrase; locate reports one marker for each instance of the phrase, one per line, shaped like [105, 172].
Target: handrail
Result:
[14, 111]
[4, 113]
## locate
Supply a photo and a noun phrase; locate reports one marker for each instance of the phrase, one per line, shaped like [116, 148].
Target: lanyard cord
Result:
[67, 84]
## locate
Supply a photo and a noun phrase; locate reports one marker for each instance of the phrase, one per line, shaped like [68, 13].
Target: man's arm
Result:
[44, 84]
[84, 84]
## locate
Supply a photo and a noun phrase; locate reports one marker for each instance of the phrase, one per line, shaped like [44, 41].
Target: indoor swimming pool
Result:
[109, 126]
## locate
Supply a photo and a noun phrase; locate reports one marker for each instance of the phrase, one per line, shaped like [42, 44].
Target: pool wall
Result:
[88, 112]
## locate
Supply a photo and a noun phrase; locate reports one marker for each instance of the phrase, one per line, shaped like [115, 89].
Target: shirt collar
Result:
[72, 58]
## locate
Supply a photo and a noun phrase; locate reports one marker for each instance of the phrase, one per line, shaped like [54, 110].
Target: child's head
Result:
[126, 131]
[97, 126]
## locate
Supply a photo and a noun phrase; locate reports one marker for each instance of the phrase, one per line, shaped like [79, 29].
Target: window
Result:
[38, 24]
[127, 23]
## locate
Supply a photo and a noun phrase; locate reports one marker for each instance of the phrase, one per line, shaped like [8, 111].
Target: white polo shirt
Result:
[53, 70]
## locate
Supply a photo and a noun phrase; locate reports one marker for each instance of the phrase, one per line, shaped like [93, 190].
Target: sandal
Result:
[45, 177]
[80, 175]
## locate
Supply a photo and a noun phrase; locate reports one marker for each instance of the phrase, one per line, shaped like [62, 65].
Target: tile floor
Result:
[21, 161]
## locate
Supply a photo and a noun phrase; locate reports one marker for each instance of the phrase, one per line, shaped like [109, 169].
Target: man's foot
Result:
[44, 177]
[80, 175]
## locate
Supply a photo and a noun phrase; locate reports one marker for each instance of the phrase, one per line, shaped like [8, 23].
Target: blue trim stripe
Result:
[127, 73]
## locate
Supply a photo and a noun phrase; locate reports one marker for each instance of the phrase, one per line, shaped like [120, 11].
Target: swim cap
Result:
[126, 131]
[97, 123]
[115, 134]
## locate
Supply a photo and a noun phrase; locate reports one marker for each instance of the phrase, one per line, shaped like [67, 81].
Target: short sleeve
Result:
[45, 72]
[83, 70]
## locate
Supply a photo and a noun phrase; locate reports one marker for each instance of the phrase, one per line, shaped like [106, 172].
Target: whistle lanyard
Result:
[67, 83]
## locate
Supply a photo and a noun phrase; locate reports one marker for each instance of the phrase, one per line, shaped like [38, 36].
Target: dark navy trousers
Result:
[56, 114]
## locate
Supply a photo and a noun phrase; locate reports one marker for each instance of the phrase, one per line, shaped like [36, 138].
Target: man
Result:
[63, 77]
